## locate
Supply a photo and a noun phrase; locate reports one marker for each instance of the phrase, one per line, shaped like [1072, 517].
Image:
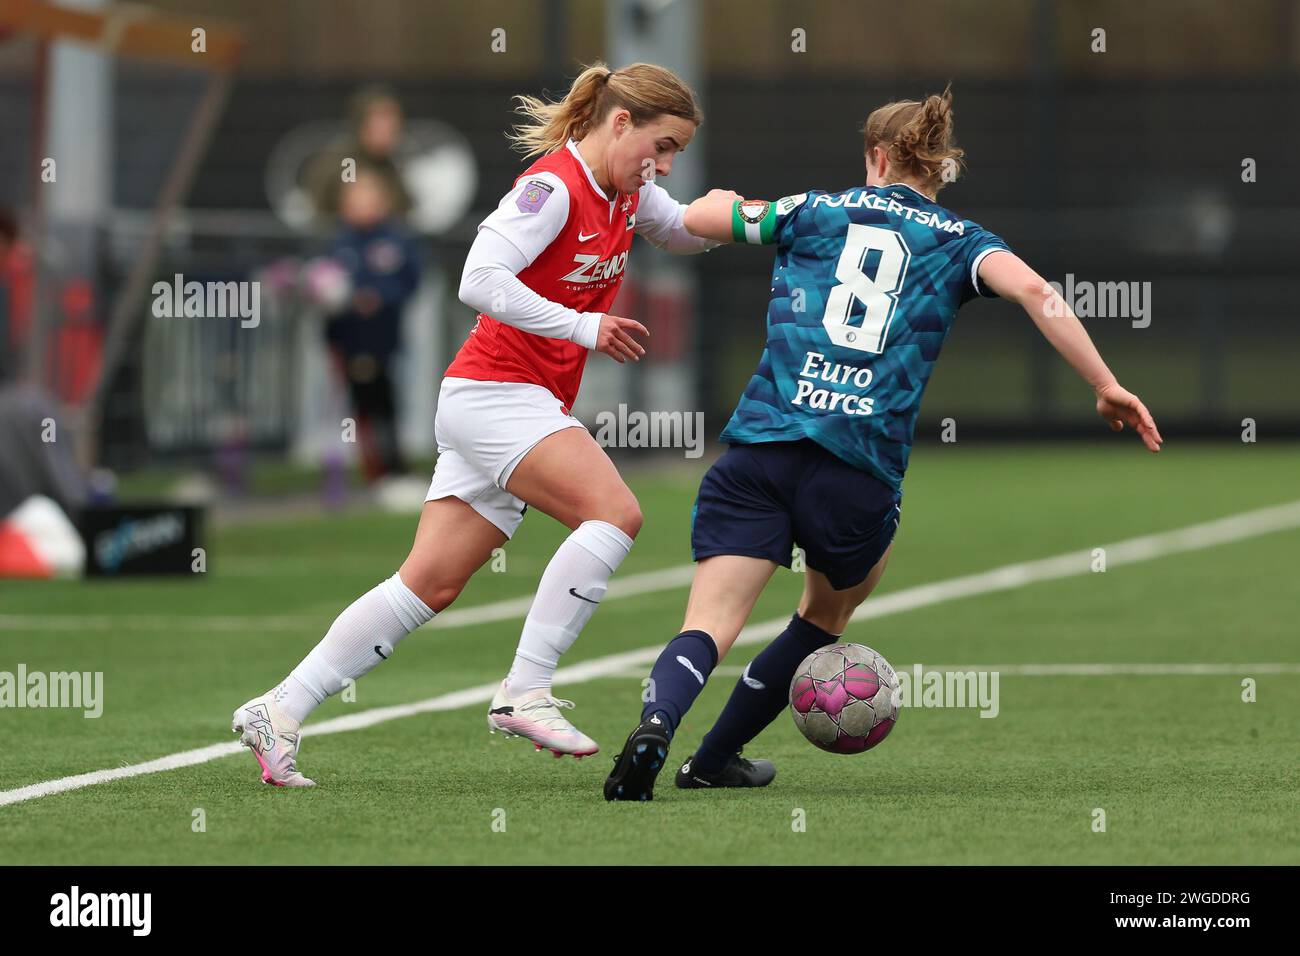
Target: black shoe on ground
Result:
[643, 756]
[737, 772]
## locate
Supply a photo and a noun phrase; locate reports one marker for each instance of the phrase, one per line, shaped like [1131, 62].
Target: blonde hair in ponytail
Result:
[643, 89]
[918, 138]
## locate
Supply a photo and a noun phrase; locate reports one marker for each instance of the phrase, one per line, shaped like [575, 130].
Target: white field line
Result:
[1065, 670]
[648, 582]
[1237, 527]
[1127, 670]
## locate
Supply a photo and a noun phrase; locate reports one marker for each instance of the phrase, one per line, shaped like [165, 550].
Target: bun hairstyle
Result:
[917, 138]
[643, 89]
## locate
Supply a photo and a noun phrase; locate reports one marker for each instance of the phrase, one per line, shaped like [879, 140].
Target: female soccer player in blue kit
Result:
[866, 285]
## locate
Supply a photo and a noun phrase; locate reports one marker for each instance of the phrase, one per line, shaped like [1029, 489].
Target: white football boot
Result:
[536, 715]
[273, 738]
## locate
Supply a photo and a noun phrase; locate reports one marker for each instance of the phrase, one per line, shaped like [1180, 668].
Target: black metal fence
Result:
[1092, 182]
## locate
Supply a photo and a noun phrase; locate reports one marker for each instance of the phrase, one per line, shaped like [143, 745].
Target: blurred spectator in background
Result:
[374, 138]
[15, 296]
[382, 262]
[31, 465]
[8, 233]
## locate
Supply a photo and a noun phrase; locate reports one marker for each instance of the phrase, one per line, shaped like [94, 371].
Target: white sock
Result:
[362, 636]
[583, 564]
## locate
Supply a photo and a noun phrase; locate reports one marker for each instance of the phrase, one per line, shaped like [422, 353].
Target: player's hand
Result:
[725, 195]
[615, 338]
[1119, 407]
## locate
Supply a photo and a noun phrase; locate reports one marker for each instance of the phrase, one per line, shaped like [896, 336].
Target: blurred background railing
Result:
[1122, 166]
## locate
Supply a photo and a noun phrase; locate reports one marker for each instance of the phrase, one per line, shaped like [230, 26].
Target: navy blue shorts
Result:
[760, 500]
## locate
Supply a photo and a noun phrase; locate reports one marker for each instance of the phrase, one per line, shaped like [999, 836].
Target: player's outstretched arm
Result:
[1010, 277]
[709, 217]
[661, 221]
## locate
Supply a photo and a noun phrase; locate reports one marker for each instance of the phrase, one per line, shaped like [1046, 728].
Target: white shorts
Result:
[483, 430]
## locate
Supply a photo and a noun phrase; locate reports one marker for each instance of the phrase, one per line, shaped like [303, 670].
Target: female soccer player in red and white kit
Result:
[542, 273]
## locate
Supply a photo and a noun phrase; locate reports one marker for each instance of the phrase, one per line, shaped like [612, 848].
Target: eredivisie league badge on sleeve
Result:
[534, 196]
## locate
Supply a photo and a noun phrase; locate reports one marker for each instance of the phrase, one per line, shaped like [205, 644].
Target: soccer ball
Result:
[845, 698]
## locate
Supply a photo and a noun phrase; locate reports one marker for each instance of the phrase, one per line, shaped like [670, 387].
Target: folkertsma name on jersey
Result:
[866, 200]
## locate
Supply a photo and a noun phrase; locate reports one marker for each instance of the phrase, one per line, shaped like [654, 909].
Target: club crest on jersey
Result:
[631, 221]
[596, 269]
[753, 210]
[534, 196]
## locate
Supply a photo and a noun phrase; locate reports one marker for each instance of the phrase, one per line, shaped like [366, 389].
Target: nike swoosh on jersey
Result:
[582, 238]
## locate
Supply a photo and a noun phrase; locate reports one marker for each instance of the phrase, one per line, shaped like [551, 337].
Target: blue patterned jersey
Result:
[866, 285]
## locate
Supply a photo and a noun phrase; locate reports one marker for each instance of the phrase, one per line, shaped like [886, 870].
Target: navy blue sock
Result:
[679, 675]
[762, 692]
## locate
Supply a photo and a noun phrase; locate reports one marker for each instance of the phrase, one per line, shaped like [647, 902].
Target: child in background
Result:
[382, 261]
